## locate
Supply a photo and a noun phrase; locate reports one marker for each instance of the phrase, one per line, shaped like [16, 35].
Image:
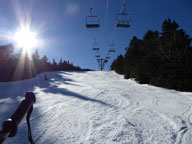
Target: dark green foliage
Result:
[21, 66]
[161, 59]
[118, 65]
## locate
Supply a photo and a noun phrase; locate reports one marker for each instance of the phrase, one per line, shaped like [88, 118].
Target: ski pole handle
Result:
[23, 107]
[9, 127]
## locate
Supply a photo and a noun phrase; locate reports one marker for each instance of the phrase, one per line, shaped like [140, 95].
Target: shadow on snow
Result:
[51, 86]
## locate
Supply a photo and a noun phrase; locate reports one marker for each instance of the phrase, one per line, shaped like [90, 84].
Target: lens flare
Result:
[25, 38]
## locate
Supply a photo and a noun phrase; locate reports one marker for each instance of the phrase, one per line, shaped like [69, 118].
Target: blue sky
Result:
[61, 24]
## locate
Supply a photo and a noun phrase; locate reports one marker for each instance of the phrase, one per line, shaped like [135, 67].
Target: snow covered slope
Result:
[99, 108]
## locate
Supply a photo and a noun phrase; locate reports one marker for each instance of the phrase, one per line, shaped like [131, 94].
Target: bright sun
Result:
[25, 38]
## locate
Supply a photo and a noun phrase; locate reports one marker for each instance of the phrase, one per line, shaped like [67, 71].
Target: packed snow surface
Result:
[98, 108]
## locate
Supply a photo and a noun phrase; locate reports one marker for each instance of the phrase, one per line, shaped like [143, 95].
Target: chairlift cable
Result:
[106, 16]
[122, 11]
[105, 22]
[114, 30]
[91, 4]
[91, 7]
[106, 12]
[113, 34]
[123, 7]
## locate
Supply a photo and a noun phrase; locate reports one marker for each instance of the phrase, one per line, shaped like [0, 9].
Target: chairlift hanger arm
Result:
[123, 8]
[91, 11]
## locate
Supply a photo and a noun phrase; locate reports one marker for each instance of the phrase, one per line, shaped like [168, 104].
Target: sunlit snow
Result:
[99, 108]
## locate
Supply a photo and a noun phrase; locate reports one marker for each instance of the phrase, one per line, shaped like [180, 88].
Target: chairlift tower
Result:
[102, 63]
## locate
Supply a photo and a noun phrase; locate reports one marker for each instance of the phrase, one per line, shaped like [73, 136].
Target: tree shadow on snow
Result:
[65, 92]
[55, 79]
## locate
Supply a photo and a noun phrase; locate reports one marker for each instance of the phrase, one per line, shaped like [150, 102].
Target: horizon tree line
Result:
[21, 65]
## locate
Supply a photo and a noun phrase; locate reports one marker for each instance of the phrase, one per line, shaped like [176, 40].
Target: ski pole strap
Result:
[9, 127]
[28, 125]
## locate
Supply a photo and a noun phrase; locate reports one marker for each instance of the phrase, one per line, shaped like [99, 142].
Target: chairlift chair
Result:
[95, 49]
[97, 56]
[105, 61]
[96, 46]
[123, 20]
[111, 48]
[92, 22]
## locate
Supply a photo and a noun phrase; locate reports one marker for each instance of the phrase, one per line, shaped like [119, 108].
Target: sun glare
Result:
[25, 38]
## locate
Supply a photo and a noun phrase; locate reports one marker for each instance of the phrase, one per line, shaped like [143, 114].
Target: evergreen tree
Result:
[161, 59]
[45, 65]
[60, 65]
[118, 65]
[35, 55]
[54, 65]
[36, 62]
[7, 65]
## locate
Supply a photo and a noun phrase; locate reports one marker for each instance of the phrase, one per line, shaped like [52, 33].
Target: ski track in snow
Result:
[99, 108]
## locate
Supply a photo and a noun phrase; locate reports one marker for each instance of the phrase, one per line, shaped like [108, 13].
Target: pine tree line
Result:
[23, 66]
[161, 59]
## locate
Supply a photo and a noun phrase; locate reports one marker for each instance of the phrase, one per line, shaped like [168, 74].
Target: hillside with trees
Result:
[162, 59]
[21, 66]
